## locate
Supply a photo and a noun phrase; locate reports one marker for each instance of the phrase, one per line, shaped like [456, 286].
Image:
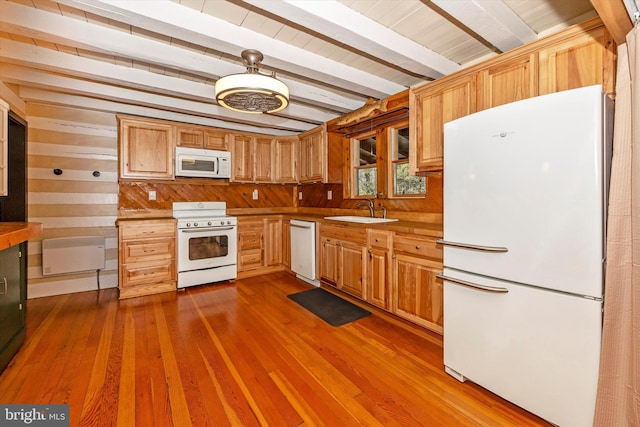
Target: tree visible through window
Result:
[366, 177]
[403, 183]
[380, 164]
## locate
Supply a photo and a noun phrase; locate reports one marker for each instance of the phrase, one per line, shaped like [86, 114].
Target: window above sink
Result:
[379, 164]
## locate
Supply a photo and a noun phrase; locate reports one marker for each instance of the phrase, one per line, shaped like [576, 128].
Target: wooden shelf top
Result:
[13, 233]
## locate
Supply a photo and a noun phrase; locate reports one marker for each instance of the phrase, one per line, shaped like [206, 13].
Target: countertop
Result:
[433, 229]
[13, 233]
[400, 226]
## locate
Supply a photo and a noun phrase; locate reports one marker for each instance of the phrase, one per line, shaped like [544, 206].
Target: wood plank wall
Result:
[315, 196]
[134, 194]
[74, 203]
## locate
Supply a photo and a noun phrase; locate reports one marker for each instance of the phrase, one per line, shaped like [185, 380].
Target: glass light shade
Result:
[252, 93]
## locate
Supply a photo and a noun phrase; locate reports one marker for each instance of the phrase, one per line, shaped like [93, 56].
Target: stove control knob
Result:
[195, 224]
[209, 223]
[221, 222]
[228, 222]
[188, 224]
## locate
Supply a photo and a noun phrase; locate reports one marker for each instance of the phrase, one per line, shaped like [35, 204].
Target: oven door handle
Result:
[199, 230]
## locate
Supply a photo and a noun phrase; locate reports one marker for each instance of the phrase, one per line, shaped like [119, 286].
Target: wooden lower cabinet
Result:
[378, 268]
[343, 258]
[352, 262]
[261, 247]
[147, 255]
[13, 300]
[328, 259]
[416, 292]
[273, 241]
[393, 271]
[286, 243]
[250, 244]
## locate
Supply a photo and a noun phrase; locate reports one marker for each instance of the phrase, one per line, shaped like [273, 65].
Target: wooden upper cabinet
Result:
[189, 137]
[313, 155]
[146, 149]
[431, 106]
[216, 140]
[286, 159]
[262, 155]
[582, 60]
[241, 158]
[201, 137]
[508, 81]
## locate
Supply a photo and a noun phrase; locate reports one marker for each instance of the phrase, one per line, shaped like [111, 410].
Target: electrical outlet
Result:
[152, 195]
[329, 195]
[300, 195]
[254, 195]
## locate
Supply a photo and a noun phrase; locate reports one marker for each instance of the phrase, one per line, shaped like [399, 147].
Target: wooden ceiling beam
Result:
[343, 24]
[186, 24]
[615, 17]
[491, 19]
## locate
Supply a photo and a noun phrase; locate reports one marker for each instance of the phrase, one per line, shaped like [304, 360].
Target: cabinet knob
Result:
[393, 256]
[417, 246]
[369, 251]
[376, 239]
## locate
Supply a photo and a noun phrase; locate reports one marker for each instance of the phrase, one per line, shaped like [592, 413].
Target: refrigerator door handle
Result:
[474, 247]
[473, 285]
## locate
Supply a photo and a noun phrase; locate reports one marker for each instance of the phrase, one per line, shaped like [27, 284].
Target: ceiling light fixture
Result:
[252, 92]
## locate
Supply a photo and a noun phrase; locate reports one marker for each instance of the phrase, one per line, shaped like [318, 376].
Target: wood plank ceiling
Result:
[162, 58]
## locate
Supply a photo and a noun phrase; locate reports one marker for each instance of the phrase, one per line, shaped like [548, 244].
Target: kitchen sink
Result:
[361, 219]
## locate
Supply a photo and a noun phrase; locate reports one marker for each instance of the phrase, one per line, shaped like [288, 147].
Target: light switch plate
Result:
[152, 195]
[329, 195]
[300, 195]
[254, 195]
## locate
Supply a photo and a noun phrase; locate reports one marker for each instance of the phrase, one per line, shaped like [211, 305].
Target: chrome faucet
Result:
[369, 204]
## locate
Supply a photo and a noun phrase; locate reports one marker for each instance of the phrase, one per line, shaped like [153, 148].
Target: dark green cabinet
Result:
[12, 301]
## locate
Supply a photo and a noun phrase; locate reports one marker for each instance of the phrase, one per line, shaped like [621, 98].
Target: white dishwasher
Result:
[303, 250]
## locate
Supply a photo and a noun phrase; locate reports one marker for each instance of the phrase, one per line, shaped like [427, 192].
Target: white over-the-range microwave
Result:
[198, 162]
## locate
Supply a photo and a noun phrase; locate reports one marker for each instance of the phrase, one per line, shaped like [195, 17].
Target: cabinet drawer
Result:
[250, 240]
[250, 259]
[355, 235]
[422, 246]
[148, 250]
[148, 272]
[148, 228]
[379, 239]
[250, 225]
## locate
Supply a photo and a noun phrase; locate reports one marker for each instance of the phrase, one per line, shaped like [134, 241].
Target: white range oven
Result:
[207, 243]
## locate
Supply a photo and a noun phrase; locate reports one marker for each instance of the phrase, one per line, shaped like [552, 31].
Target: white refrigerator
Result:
[525, 190]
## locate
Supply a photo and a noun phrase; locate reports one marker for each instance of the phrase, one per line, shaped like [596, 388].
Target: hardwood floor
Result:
[237, 354]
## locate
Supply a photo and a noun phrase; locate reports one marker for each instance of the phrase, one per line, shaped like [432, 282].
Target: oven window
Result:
[208, 247]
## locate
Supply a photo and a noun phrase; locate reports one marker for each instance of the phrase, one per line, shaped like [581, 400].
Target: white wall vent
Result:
[72, 255]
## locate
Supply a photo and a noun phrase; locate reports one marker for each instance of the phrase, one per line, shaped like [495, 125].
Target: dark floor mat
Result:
[329, 307]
